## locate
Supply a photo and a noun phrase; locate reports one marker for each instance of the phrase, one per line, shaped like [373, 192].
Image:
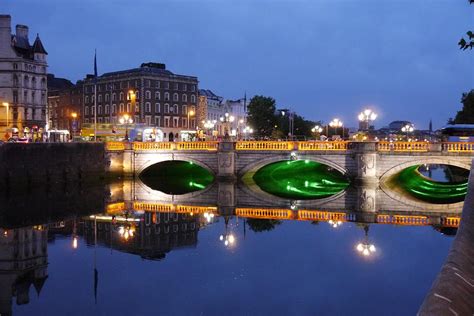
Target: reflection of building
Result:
[23, 78]
[23, 262]
[151, 94]
[154, 234]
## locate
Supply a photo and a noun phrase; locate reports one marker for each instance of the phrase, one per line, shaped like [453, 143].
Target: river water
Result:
[87, 253]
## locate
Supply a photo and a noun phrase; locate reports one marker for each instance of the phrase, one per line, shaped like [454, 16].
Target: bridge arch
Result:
[464, 163]
[260, 163]
[143, 163]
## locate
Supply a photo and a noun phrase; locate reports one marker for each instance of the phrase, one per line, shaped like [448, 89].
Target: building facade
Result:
[23, 69]
[150, 95]
[64, 104]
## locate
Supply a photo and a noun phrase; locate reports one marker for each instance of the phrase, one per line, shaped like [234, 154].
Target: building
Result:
[149, 94]
[64, 104]
[213, 110]
[396, 126]
[23, 69]
[23, 264]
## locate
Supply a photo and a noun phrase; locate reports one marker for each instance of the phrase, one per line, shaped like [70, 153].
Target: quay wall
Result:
[39, 164]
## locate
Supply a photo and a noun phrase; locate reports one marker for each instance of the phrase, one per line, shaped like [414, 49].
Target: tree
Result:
[469, 43]
[466, 115]
[261, 115]
[261, 225]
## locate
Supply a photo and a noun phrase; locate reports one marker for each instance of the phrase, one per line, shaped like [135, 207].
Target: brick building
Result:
[150, 94]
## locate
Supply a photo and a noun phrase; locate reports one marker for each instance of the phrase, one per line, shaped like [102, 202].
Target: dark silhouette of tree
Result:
[466, 115]
[262, 225]
[469, 42]
[261, 115]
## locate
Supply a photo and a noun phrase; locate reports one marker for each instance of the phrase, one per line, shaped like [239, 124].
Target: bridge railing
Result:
[409, 220]
[152, 146]
[264, 213]
[320, 145]
[264, 145]
[114, 146]
[322, 216]
[212, 146]
[139, 146]
[403, 146]
[458, 147]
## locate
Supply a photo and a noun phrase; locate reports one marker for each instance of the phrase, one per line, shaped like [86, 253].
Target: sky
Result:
[321, 59]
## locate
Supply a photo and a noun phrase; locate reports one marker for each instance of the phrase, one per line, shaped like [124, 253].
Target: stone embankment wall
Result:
[26, 166]
[452, 292]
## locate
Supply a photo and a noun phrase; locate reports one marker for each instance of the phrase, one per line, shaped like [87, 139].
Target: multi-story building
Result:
[22, 79]
[150, 94]
[64, 104]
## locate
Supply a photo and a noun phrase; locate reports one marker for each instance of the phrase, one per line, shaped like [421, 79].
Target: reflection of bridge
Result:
[365, 161]
[439, 219]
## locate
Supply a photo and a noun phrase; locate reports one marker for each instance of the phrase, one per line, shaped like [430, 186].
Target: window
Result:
[86, 110]
[114, 96]
[106, 109]
[193, 98]
[175, 97]
[137, 94]
[128, 107]
[193, 88]
[147, 83]
[158, 121]
[157, 95]
[148, 120]
[175, 109]
[99, 98]
[148, 107]
[167, 124]
[15, 66]
[157, 83]
[114, 109]
[167, 85]
[167, 96]
[176, 86]
[33, 83]
[157, 108]
[175, 121]
[185, 123]
[121, 108]
[93, 110]
[185, 109]
[184, 98]
[15, 80]
[185, 87]
[106, 98]
[148, 94]
[121, 96]
[15, 96]
[99, 109]
[167, 108]
[26, 81]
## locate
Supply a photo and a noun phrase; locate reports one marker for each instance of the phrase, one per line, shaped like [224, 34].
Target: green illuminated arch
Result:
[176, 177]
[300, 180]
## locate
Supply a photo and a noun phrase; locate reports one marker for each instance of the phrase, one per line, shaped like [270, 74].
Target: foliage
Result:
[261, 115]
[261, 225]
[469, 42]
[466, 115]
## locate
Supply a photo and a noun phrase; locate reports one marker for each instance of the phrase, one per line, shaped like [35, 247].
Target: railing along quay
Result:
[381, 146]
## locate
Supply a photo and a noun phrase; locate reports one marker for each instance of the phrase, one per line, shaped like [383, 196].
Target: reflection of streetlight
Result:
[408, 128]
[365, 248]
[208, 216]
[126, 119]
[366, 116]
[336, 123]
[126, 232]
[334, 224]
[228, 239]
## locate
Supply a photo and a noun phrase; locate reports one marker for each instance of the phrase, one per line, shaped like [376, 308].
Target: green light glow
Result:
[428, 190]
[300, 179]
[176, 177]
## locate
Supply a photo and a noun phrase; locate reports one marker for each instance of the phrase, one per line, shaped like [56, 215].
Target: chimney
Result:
[22, 31]
[5, 29]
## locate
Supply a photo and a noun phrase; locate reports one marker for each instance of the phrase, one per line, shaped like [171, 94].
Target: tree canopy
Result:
[466, 115]
[261, 115]
[469, 42]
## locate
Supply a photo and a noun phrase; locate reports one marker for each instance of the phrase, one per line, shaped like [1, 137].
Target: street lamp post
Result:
[7, 105]
[337, 123]
[190, 113]
[74, 122]
[408, 128]
[317, 129]
[366, 116]
[126, 119]
[227, 119]
[209, 125]
[247, 130]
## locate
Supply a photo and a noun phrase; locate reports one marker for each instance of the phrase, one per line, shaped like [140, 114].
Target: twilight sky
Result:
[322, 59]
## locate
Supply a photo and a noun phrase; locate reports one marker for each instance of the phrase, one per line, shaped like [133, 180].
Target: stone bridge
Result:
[365, 162]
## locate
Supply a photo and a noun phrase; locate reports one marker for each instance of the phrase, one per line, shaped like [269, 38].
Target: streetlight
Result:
[291, 120]
[317, 129]
[366, 248]
[7, 105]
[336, 123]
[208, 125]
[126, 119]
[227, 118]
[408, 128]
[366, 116]
[74, 122]
[247, 130]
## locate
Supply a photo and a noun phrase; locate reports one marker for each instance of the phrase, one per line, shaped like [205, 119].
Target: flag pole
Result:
[95, 96]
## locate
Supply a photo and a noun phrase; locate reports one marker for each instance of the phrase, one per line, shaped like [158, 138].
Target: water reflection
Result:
[229, 241]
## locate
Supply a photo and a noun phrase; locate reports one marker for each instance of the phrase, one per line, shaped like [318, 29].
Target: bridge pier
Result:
[226, 161]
